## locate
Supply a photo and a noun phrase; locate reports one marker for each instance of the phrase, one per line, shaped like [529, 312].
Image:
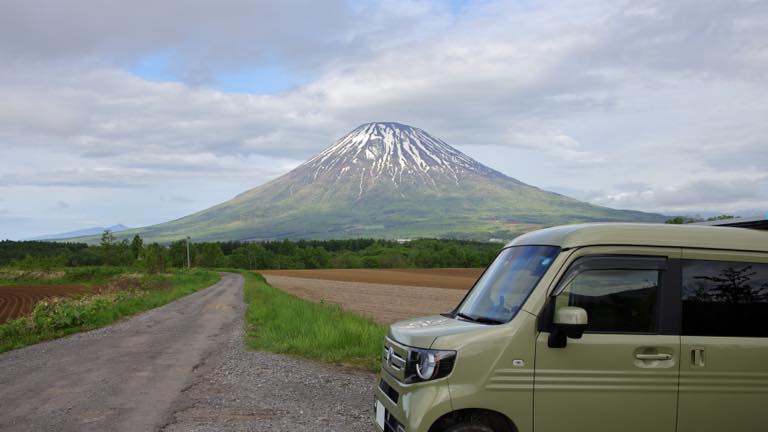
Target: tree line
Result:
[284, 254]
[680, 220]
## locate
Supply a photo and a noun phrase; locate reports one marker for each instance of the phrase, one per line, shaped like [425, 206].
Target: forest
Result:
[302, 254]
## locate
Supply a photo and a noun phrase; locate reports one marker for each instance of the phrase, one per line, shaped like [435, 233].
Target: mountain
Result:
[81, 233]
[387, 180]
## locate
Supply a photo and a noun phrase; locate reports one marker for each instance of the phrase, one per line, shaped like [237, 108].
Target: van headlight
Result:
[428, 364]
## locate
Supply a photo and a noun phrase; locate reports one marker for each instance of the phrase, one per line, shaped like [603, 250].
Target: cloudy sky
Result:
[138, 112]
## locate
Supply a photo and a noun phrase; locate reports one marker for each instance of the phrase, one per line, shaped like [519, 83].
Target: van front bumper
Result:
[412, 407]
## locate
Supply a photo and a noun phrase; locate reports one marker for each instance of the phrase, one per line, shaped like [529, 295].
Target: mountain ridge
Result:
[80, 233]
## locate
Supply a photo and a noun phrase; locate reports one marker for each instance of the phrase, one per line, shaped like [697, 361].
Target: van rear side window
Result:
[725, 298]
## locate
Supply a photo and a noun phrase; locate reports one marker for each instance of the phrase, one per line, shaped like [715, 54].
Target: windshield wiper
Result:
[479, 319]
[465, 316]
[486, 320]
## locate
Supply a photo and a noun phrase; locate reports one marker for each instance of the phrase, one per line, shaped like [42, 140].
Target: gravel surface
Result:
[178, 367]
[238, 390]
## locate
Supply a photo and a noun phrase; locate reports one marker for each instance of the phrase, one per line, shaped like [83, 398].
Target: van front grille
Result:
[395, 359]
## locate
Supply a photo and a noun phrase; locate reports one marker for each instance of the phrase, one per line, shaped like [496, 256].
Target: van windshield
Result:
[506, 284]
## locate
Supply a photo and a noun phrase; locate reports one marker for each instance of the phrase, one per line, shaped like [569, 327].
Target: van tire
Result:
[469, 427]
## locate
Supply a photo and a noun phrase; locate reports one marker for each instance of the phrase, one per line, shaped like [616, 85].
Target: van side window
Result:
[725, 298]
[616, 301]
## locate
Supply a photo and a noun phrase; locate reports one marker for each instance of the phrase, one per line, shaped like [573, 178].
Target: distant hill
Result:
[81, 233]
[387, 180]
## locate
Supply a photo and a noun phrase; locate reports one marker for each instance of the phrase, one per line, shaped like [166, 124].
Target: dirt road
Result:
[178, 367]
[120, 378]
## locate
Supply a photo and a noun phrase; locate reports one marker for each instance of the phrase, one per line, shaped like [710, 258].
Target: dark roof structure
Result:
[760, 223]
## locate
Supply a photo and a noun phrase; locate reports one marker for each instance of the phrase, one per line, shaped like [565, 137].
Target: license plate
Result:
[380, 414]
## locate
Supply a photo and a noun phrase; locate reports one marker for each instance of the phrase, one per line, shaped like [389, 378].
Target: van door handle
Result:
[659, 356]
[697, 357]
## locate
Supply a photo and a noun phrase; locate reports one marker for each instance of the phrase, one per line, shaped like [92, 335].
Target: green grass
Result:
[59, 317]
[285, 324]
[89, 275]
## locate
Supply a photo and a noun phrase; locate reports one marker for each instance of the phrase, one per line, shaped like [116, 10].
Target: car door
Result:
[724, 371]
[622, 374]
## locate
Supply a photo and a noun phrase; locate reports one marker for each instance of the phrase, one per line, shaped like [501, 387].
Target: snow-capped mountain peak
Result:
[393, 153]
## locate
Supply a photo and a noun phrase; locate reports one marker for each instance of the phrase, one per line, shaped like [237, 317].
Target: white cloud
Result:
[586, 94]
[555, 144]
[703, 194]
[91, 178]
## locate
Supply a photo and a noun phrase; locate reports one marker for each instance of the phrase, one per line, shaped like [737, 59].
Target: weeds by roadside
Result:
[57, 317]
[92, 275]
[285, 324]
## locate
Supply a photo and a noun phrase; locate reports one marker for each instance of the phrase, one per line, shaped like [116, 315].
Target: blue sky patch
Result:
[266, 80]
[155, 67]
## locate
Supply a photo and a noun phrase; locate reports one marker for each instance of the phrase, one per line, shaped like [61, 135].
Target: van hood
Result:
[422, 332]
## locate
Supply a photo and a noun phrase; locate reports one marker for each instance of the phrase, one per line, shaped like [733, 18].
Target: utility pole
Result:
[189, 263]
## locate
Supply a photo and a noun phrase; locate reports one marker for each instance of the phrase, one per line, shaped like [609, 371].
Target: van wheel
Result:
[469, 427]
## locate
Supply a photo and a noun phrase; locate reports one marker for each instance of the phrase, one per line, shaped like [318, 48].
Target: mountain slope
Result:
[81, 232]
[387, 180]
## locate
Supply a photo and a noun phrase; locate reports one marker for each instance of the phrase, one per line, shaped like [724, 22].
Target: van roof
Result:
[668, 235]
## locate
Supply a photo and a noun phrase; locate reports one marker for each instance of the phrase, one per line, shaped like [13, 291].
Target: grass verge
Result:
[285, 324]
[89, 275]
[58, 317]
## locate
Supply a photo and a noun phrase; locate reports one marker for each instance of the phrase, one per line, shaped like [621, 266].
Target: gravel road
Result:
[181, 367]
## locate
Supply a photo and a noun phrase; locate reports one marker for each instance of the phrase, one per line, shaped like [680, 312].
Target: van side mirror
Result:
[568, 322]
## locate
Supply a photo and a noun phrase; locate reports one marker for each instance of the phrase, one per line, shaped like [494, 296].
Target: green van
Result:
[598, 327]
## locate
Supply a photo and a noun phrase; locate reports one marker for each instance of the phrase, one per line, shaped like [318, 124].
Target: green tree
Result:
[678, 220]
[346, 259]
[263, 258]
[251, 256]
[209, 255]
[721, 217]
[178, 253]
[108, 247]
[45, 263]
[392, 260]
[122, 254]
[313, 257]
[11, 251]
[90, 256]
[136, 246]
[155, 258]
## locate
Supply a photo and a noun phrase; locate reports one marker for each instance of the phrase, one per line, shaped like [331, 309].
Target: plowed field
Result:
[19, 300]
[456, 278]
[383, 295]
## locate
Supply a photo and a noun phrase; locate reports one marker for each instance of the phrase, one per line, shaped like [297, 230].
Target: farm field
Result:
[406, 293]
[18, 300]
[454, 278]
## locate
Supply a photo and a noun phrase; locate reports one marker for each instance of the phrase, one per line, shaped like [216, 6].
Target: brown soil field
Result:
[18, 300]
[456, 278]
[400, 297]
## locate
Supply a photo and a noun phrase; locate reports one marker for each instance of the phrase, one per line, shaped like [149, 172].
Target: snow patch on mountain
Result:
[392, 152]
